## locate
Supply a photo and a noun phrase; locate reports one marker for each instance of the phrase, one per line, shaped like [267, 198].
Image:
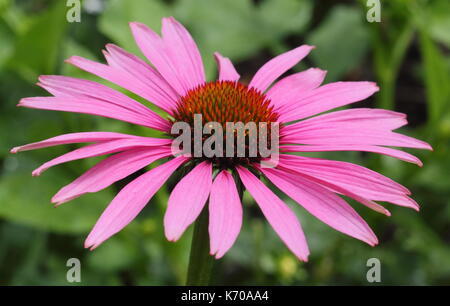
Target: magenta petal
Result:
[130, 201]
[351, 136]
[293, 87]
[225, 214]
[274, 68]
[73, 87]
[363, 148]
[277, 213]
[183, 53]
[102, 148]
[358, 118]
[155, 50]
[139, 71]
[353, 178]
[109, 171]
[117, 76]
[323, 204]
[86, 105]
[187, 200]
[227, 72]
[336, 188]
[325, 98]
[72, 138]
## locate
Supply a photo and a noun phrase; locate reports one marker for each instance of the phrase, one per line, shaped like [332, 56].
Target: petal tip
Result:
[36, 172]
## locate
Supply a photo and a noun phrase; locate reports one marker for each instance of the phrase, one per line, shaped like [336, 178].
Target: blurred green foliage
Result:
[407, 54]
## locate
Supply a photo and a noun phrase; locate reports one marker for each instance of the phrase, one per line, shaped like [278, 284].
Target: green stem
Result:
[200, 262]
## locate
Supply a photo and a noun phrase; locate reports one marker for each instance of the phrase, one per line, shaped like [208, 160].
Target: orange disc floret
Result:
[225, 101]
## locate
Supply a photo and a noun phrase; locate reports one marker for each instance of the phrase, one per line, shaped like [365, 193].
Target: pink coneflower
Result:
[175, 82]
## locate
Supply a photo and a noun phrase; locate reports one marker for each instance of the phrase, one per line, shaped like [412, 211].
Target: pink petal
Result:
[109, 171]
[138, 70]
[225, 214]
[155, 50]
[130, 201]
[86, 105]
[227, 72]
[72, 138]
[364, 148]
[323, 204]
[102, 148]
[293, 87]
[327, 97]
[358, 118]
[183, 53]
[358, 180]
[280, 217]
[336, 188]
[350, 136]
[187, 200]
[120, 78]
[72, 87]
[274, 68]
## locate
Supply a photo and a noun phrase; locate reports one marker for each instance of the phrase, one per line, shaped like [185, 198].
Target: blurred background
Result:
[407, 54]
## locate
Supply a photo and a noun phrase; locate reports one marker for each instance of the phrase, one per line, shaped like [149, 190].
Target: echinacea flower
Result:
[175, 82]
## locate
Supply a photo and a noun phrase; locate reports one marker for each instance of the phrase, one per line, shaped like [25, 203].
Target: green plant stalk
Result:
[388, 56]
[200, 261]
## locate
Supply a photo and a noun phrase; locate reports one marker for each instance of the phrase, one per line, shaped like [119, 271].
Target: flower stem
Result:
[200, 262]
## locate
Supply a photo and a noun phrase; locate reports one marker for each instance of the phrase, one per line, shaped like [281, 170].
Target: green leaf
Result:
[37, 48]
[341, 40]
[26, 200]
[114, 255]
[285, 16]
[71, 48]
[436, 77]
[227, 26]
[7, 39]
[439, 21]
[114, 20]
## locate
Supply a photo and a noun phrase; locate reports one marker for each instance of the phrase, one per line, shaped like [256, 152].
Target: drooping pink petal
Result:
[72, 138]
[325, 98]
[335, 188]
[358, 119]
[74, 87]
[350, 136]
[274, 68]
[139, 70]
[130, 201]
[371, 177]
[323, 204]
[277, 213]
[183, 53]
[155, 50]
[120, 78]
[102, 148]
[225, 214]
[86, 105]
[63, 87]
[363, 148]
[187, 200]
[293, 87]
[227, 72]
[356, 179]
[109, 171]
